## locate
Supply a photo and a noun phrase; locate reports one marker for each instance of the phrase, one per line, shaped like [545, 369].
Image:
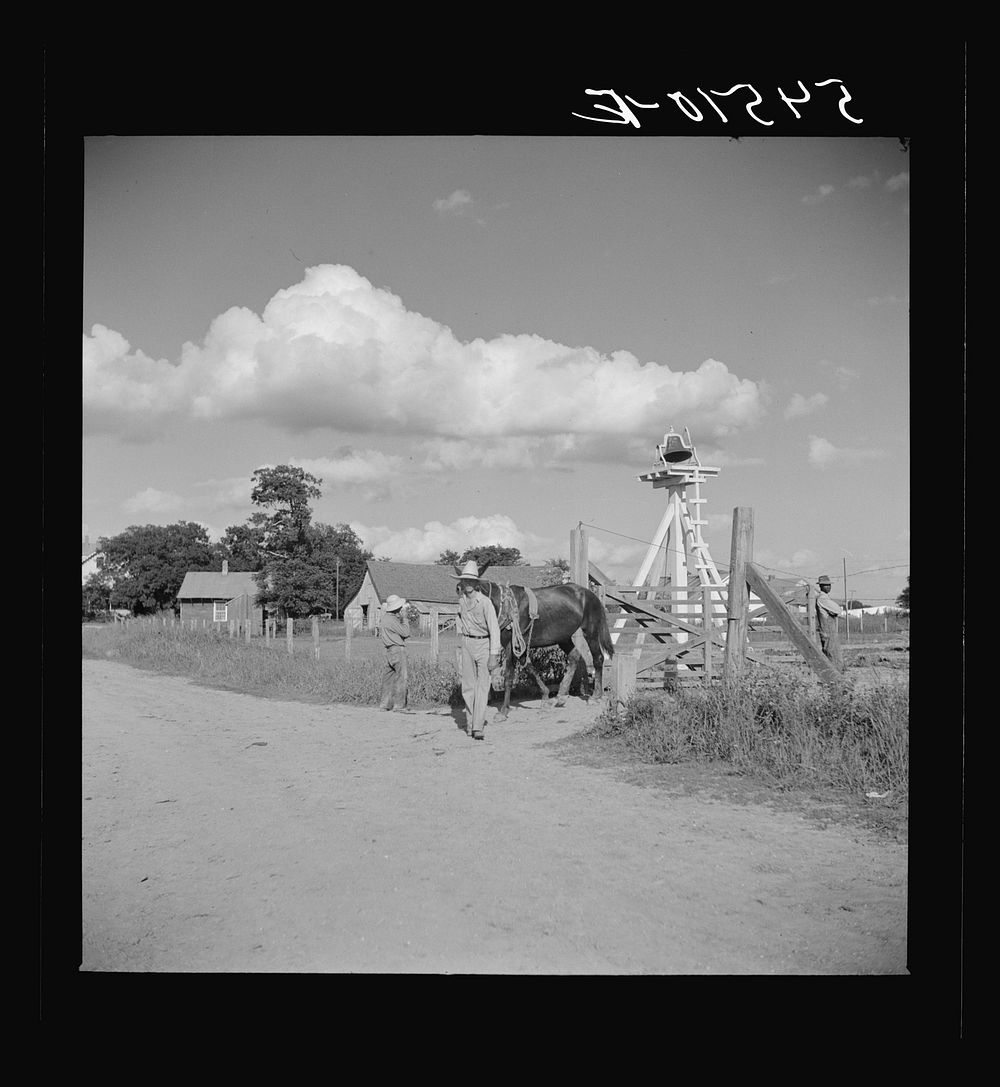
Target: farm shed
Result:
[427, 586]
[219, 596]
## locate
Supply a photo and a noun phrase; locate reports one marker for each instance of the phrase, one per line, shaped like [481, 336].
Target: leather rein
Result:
[509, 617]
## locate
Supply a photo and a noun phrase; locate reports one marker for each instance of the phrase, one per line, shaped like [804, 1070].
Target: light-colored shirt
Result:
[477, 617]
[827, 611]
[394, 628]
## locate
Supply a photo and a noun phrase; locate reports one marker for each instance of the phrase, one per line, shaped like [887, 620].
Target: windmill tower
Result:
[678, 551]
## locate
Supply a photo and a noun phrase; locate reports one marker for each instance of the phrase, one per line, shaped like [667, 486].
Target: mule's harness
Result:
[508, 605]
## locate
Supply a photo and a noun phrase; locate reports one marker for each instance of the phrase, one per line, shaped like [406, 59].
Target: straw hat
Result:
[470, 571]
[394, 603]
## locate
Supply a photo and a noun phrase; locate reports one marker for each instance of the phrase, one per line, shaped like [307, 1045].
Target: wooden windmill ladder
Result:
[677, 545]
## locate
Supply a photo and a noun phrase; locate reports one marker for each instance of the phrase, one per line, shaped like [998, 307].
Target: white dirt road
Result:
[226, 833]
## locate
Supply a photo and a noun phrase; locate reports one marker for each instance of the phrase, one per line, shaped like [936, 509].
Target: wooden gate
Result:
[696, 633]
[674, 634]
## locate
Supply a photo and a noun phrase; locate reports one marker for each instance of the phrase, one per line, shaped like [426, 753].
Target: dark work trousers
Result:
[394, 679]
[830, 644]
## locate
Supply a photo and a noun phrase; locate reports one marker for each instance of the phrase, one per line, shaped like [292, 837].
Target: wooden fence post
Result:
[739, 595]
[248, 626]
[348, 634]
[789, 623]
[435, 647]
[623, 675]
[232, 627]
[315, 631]
[290, 634]
[811, 611]
[579, 564]
[706, 622]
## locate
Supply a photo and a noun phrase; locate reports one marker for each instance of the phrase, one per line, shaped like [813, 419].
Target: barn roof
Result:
[434, 583]
[215, 585]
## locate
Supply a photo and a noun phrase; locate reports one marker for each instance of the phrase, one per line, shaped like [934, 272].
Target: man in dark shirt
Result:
[394, 629]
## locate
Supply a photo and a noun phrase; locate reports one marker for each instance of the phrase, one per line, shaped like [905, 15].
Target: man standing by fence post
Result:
[394, 629]
[827, 613]
[477, 621]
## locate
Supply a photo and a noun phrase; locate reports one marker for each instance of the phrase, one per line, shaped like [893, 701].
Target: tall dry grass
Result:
[212, 657]
[215, 659]
[782, 728]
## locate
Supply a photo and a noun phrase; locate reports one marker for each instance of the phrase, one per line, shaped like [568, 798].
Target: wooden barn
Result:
[219, 596]
[428, 587]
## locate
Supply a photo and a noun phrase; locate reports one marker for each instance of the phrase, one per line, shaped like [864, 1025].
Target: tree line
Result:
[301, 567]
[297, 562]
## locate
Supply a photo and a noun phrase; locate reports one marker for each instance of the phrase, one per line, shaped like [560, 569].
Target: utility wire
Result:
[725, 565]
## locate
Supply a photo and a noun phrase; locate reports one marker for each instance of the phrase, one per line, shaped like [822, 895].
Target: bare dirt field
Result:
[228, 833]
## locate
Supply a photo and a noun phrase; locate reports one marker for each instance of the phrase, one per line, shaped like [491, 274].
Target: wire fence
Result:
[797, 574]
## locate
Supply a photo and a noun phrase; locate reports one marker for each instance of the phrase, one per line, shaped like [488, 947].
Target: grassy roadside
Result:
[829, 750]
[214, 659]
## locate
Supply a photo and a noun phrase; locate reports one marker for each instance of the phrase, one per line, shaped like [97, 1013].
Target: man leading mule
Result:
[477, 621]
[549, 616]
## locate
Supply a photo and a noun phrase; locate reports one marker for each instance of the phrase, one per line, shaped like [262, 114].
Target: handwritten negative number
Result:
[623, 115]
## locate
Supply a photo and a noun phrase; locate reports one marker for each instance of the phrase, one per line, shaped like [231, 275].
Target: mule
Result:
[562, 611]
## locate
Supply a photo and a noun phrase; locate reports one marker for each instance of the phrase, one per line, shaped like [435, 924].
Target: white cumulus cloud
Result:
[458, 202]
[824, 454]
[779, 562]
[804, 405]
[126, 391]
[351, 467]
[152, 500]
[334, 351]
[426, 543]
[820, 194]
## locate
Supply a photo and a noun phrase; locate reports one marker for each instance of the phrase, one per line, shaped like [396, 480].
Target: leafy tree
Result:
[306, 581]
[97, 592]
[448, 558]
[298, 573]
[492, 555]
[557, 566]
[147, 563]
[286, 490]
[330, 543]
[243, 545]
[903, 600]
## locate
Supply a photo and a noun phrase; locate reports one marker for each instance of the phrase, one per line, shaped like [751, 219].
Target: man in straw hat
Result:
[827, 613]
[394, 629]
[477, 620]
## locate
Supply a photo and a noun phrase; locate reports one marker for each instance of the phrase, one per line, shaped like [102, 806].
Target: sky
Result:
[481, 339]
